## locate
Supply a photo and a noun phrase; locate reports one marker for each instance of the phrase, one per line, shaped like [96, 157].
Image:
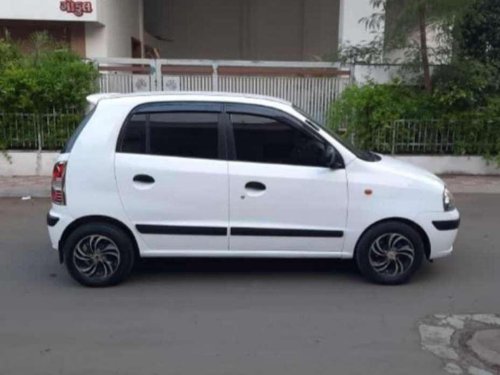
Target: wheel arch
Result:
[418, 228]
[95, 219]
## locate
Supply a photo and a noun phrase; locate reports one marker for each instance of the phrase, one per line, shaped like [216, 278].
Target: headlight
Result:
[448, 200]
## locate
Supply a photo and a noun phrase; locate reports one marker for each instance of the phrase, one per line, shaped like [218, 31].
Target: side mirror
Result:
[333, 160]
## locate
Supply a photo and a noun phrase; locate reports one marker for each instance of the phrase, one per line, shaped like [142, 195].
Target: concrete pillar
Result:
[141, 28]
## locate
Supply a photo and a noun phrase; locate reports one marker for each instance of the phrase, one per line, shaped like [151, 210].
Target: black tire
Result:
[83, 247]
[381, 267]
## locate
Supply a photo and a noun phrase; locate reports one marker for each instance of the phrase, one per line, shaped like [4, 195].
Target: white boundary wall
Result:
[26, 163]
[467, 165]
[40, 164]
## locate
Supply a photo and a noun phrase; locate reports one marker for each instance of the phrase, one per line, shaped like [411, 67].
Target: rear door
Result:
[171, 172]
[282, 195]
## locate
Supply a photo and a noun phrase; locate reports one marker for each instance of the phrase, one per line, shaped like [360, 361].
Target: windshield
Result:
[361, 154]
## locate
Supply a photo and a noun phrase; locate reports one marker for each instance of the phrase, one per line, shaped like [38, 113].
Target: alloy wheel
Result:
[391, 254]
[96, 257]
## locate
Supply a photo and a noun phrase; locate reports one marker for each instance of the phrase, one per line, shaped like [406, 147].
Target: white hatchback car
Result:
[224, 175]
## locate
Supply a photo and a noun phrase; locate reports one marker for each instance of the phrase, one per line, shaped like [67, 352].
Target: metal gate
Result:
[313, 86]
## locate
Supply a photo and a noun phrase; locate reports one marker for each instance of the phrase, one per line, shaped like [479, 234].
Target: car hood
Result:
[409, 171]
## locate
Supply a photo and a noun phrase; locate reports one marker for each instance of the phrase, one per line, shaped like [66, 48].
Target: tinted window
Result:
[182, 134]
[266, 140]
[134, 139]
[361, 154]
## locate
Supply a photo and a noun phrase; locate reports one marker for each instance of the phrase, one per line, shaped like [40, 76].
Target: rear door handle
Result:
[144, 178]
[255, 186]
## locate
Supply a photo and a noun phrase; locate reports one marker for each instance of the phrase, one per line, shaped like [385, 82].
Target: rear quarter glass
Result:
[71, 141]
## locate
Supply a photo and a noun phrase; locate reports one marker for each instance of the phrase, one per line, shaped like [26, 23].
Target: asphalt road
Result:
[232, 316]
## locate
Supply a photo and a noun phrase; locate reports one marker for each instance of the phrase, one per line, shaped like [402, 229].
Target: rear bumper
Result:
[56, 224]
[52, 220]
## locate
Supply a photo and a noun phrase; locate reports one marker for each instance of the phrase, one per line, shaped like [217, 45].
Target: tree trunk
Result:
[422, 23]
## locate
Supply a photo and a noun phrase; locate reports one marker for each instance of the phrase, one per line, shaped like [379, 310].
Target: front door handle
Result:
[255, 186]
[144, 178]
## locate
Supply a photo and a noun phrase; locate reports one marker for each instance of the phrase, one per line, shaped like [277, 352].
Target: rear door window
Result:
[188, 134]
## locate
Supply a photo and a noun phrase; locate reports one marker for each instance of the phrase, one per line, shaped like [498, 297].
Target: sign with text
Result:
[78, 8]
[54, 10]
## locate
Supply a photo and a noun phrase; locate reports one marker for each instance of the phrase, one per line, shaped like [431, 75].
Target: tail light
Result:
[58, 178]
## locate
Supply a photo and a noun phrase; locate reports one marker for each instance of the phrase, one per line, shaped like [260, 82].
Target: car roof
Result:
[225, 97]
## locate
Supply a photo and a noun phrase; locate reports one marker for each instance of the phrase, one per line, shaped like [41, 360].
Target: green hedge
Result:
[372, 117]
[50, 78]
[42, 93]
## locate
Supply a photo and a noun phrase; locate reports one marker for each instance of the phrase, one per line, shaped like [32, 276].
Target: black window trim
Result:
[226, 141]
[263, 111]
[177, 107]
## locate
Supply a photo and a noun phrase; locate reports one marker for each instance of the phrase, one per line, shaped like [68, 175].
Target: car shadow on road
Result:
[244, 268]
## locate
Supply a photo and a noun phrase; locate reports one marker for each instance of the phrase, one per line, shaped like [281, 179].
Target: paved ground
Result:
[39, 186]
[233, 316]
[473, 184]
[34, 186]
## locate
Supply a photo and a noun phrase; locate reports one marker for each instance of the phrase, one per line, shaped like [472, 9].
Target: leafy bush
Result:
[47, 79]
[390, 117]
[459, 112]
[465, 84]
[362, 111]
[478, 32]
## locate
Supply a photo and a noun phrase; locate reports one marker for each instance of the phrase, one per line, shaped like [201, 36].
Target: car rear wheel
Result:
[99, 254]
[390, 253]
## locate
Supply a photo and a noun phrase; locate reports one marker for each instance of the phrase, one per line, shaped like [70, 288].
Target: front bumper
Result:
[442, 230]
[446, 224]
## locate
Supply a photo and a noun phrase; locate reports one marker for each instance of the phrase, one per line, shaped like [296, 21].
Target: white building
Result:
[209, 29]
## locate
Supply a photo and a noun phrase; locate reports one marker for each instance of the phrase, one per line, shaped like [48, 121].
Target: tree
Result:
[400, 19]
[422, 15]
[478, 33]
[472, 79]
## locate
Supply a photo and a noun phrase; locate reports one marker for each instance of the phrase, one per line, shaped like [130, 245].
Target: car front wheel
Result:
[390, 253]
[99, 254]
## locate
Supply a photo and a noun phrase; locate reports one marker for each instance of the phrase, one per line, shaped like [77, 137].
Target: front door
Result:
[282, 196]
[171, 172]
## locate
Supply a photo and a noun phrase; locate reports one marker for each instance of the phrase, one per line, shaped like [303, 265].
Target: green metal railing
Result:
[33, 131]
[50, 131]
[421, 137]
